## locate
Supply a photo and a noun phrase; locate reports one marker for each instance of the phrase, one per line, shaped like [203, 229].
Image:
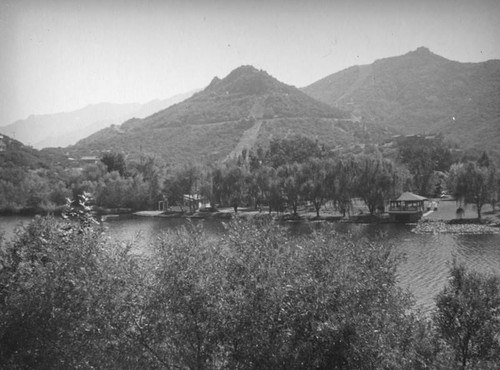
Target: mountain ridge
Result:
[421, 92]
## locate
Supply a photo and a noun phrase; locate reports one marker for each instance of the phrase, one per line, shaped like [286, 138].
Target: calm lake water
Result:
[424, 271]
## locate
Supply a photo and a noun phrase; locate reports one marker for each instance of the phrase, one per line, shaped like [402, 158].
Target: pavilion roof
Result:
[407, 196]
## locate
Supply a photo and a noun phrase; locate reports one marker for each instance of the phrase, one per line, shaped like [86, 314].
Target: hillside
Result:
[421, 92]
[14, 154]
[245, 108]
[63, 129]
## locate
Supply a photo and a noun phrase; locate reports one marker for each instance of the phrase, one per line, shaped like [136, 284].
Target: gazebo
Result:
[408, 207]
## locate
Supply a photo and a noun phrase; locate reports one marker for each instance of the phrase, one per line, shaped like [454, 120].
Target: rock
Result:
[438, 226]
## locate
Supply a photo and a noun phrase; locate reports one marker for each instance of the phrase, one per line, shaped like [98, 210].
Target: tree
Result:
[180, 182]
[423, 156]
[484, 160]
[114, 162]
[290, 150]
[151, 171]
[273, 190]
[377, 181]
[468, 316]
[316, 186]
[234, 186]
[292, 180]
[472, 184]
[114, 191]
[230, 184]
[344, 188]
[94, 171]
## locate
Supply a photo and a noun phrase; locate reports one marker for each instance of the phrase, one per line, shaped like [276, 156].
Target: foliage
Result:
[378, 181]
[319, 182]
[424, 157]
[292, 182]
[297, 170]
[471, 183]
[114, 162]
[260, 298]
[468, 318]
[290, 150]
[255, 297]
[64, 296]
[183, 181]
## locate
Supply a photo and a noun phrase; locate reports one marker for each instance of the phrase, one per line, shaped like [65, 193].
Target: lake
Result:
[424, 271]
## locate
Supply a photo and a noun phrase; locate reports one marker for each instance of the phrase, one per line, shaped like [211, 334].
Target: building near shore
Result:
[408, 207]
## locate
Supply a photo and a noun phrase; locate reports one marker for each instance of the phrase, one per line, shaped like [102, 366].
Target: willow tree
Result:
[471, 183]
[344, 189]
[318, 182]
[292, 181]
[377, 181]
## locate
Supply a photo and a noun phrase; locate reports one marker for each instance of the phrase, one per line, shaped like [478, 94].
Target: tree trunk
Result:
[317, 205]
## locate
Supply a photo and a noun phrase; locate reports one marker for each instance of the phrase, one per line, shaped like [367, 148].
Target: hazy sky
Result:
[60, 55]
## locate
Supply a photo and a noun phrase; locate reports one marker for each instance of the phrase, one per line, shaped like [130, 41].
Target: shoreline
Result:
[281, 217]
[432, 225]
[457, 226]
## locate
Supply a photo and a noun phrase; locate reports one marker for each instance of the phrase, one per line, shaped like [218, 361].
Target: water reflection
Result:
[8, 225]
[145, 230]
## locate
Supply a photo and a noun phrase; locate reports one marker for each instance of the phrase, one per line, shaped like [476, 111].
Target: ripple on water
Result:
[479, 252]
[425, 269]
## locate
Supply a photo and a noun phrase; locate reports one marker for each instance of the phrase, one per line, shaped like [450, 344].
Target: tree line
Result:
[270, 179]
[291, 173]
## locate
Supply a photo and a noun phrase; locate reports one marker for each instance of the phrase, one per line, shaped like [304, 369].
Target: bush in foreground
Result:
[256, 297]
[468, 318]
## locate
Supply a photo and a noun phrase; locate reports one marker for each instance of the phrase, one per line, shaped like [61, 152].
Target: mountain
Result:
[421, 92]
[245, 108]
[63, 129]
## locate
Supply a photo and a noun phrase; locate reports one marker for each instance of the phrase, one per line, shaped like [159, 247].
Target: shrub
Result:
[260, 298]
[66, 296]
[468, 317]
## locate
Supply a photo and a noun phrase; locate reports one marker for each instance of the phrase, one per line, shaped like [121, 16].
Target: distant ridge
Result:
[66, 128]
[421, 92]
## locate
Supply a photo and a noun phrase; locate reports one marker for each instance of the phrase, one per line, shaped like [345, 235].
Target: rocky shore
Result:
[453, 227]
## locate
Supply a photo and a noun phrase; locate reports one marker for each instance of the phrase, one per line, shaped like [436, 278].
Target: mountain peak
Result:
[246, 70]
[214, 82]
[422, 50]
[423, 53]
[246, 80]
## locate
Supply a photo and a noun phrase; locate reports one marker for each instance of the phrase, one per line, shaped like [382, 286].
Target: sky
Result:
[61, 55]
